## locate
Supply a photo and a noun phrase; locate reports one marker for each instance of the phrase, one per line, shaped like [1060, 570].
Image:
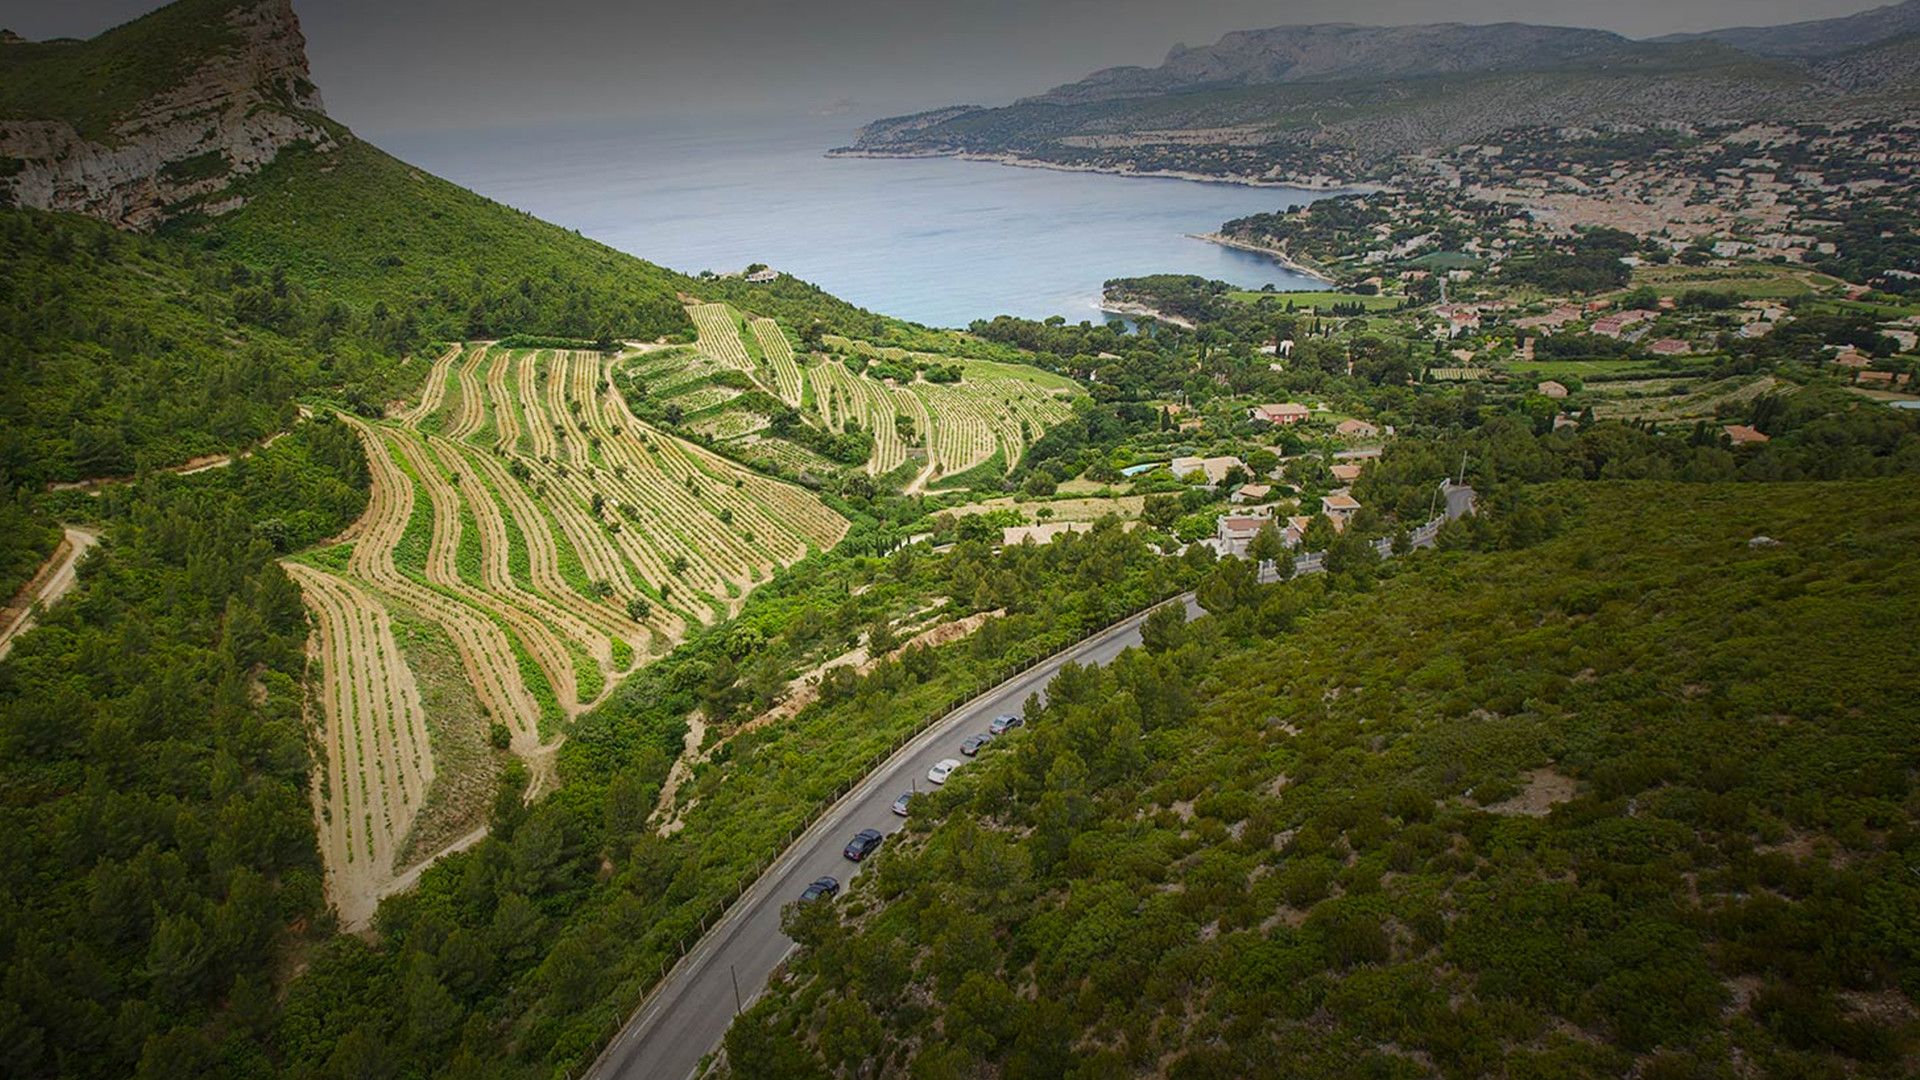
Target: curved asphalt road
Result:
[688, 1013]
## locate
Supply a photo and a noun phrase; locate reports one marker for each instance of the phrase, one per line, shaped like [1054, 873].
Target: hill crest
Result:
[158, 114]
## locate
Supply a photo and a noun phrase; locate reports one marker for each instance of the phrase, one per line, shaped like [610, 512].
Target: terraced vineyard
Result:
[923, 431]
[555, 540]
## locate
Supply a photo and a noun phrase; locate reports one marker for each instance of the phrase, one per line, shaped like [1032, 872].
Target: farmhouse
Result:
[1670, 347]
[1252, 493]
[1346, 473]
[1552, 389]
[1744, 435]
[764, 275]
[1552, 320]
[1286, 413]
[1883, 378]
[1214, 468]
[1356, 429]
[1614, 325]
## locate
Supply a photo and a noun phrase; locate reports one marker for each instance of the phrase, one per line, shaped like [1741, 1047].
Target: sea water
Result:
[938, 241]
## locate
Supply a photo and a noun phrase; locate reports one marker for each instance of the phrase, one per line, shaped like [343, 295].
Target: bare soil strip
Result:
[472, 410]
[378, 764]
[483, 647]
[435, 388]
[719, 336]
[506, 415]
[786, 372]
[443, 571]
[55, 579]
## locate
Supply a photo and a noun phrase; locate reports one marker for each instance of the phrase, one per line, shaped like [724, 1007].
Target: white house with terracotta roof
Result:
[1234, 532]
[1215, 469]
[1346, 472]
[1356, 429]
[1339, 506]
[1251, 493]
[1745, 435]
[1289, 412]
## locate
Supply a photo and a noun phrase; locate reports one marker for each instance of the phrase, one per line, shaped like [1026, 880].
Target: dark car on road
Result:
[826, 888]
[900, 804]
[1004, 723]
[972, 744]
[863, 844]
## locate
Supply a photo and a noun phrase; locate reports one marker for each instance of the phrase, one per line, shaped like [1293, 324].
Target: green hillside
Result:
[92, 83]
[1638, 800]
[371, 230]
[121, 352]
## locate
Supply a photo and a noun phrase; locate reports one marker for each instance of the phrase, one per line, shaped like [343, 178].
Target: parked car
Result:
[900, 804]
[1004, 723]
[863, 844]
[971, 744]
[825, 888]
[942, 769]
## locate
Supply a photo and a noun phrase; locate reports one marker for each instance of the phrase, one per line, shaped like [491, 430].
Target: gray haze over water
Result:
[936, 241]
[387, 66]
[691, 133]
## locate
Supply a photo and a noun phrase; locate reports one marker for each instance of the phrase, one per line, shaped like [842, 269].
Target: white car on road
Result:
[942, 769]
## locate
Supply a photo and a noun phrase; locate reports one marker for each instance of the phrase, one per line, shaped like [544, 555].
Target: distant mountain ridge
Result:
[1333, 52]
[1816, 38]
[1325, 104]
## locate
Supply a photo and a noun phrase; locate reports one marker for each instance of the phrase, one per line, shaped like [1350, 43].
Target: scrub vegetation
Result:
[1462, 819]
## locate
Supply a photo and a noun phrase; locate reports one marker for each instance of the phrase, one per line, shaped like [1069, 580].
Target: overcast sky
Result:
[387, 66]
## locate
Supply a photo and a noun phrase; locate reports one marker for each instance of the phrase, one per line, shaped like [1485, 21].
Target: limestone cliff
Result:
[234, 104]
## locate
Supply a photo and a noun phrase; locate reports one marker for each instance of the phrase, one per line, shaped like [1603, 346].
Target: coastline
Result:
[1315, 183]
[1131, 310]
[1276, 254]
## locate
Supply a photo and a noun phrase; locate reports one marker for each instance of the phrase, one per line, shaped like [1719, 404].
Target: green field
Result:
[1600, 369]
[1318, 300]
[1753, 281]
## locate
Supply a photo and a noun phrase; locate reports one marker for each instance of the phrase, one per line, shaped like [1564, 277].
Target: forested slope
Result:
[1638, 799]
[120, 352]
[156, 843]
[381, 235]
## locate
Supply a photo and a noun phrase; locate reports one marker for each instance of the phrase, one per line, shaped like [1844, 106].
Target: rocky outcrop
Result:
[236, 110]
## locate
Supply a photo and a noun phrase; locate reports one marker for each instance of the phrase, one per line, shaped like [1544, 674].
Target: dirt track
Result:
[55, 579]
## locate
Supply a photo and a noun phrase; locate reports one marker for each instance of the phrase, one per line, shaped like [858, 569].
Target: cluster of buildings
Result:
[1234, 533]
